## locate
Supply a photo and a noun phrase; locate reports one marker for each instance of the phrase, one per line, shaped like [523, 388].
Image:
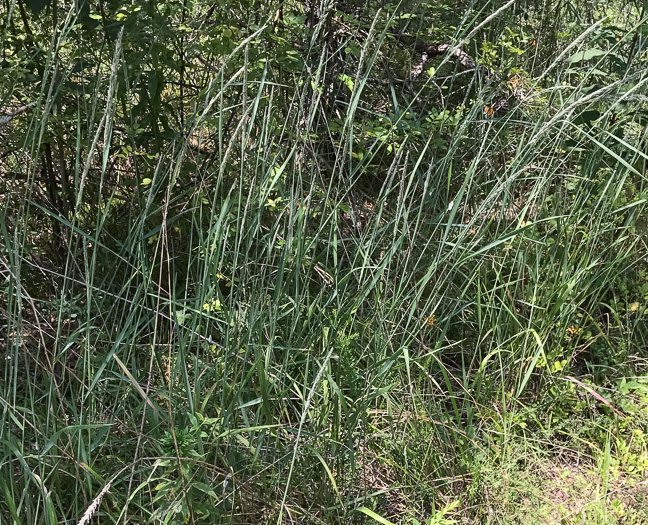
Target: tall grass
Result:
[283, 331]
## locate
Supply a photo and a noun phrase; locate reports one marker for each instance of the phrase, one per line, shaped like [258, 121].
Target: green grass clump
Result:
[295, 296]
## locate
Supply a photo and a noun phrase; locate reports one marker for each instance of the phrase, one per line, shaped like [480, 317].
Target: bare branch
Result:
[5, 119]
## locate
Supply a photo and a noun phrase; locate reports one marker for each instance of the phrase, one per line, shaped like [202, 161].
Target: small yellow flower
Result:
[431, 321]
[213, 305]
[634, 307]
[574, 331]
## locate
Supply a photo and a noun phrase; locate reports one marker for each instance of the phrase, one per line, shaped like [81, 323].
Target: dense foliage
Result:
[323, 262]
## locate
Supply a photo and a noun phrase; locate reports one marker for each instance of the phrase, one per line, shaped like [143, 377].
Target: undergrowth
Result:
[288, 307]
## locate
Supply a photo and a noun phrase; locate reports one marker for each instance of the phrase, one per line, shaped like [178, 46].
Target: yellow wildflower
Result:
[431, 321]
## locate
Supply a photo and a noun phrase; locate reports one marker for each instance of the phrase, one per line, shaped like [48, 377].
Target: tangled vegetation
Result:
[329, 261]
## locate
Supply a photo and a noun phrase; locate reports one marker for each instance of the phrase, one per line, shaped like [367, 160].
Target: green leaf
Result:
[37, 5]
[54, 438]
[594, 72]
[375, 516]
[586, 117]
[153, 84]
[588, 54]
[204, 488]
[348, 81]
